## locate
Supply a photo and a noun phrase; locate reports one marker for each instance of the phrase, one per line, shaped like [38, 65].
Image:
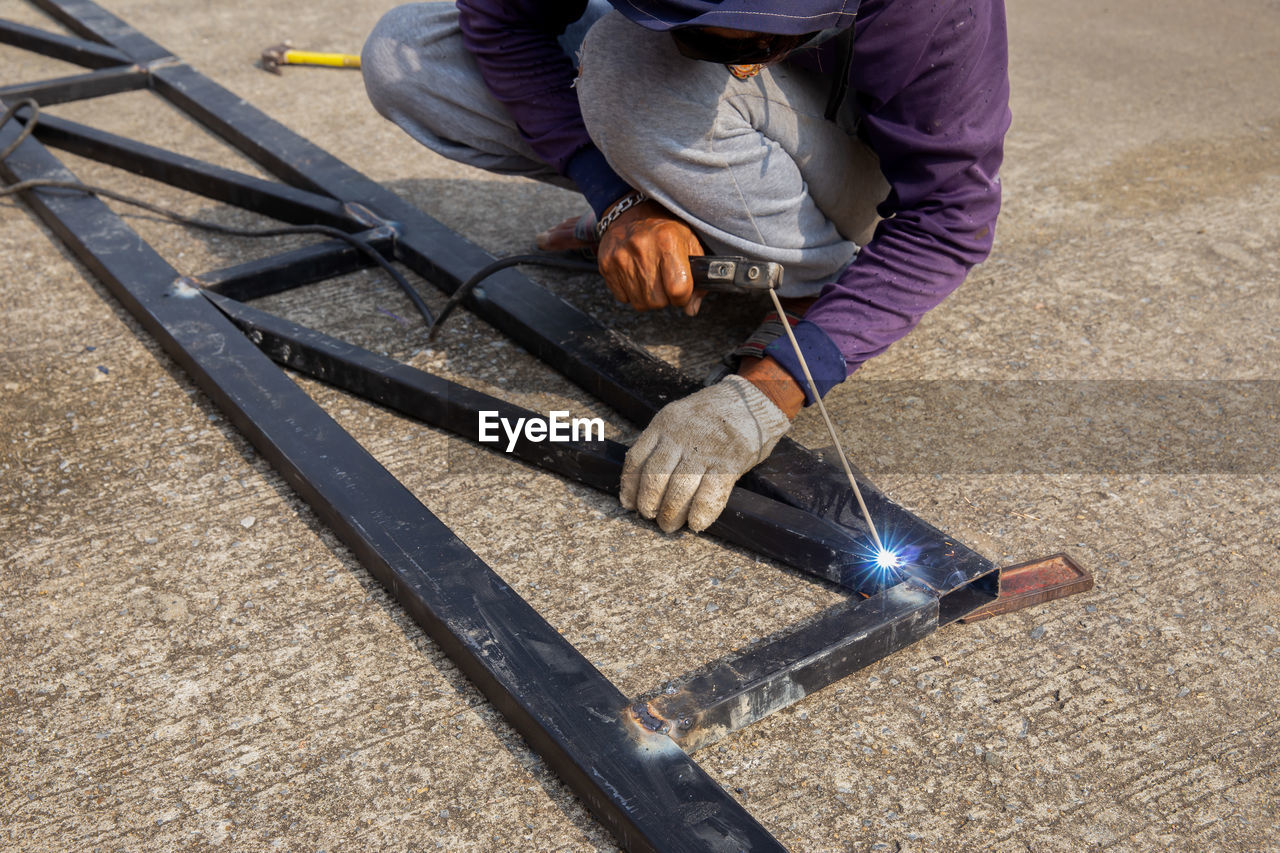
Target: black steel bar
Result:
[603, 362]
[796, 476]
[80, 52]
[600, 360]
[459, 599]
[288, 270]
[729, 694]
[956, 604]
[268, 143]
[641, 786]
[270, 198]
[78, 87]
[774, 529]
[91, 21]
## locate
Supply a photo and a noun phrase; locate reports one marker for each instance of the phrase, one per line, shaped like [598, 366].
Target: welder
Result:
[858, 145]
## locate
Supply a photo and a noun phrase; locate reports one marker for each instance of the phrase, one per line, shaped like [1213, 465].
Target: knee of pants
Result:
[378, 64]
[634, 87]
[398, 54]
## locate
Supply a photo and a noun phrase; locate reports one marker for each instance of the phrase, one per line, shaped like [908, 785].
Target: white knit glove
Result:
[685, 463]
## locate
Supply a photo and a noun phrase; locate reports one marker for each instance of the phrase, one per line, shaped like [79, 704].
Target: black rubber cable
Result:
[573, 264]
[27, 128]
[556, 261]
[76, 186]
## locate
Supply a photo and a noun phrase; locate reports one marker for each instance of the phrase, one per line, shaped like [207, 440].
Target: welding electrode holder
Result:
[712, 273]
[718, 273]
[731, 274]
[734, 274]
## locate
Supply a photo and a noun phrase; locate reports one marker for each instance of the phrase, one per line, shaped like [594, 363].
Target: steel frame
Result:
[625, 758]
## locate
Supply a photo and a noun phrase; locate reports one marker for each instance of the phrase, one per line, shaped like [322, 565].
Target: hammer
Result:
[284, 54]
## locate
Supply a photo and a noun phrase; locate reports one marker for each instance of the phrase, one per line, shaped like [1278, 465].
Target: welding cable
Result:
[27, 128]
[564, 262]
[76, 186]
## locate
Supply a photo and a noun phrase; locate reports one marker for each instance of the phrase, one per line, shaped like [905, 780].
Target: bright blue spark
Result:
[883, 565]
[887, 560]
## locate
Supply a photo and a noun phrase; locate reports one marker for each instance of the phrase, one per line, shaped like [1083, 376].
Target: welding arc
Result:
[831, 428]
[76, 186]
[433, 323]
[584, 265]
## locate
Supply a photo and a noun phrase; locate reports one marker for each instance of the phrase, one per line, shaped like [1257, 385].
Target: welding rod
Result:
[831, 428]
[740, 275]
[717, 273]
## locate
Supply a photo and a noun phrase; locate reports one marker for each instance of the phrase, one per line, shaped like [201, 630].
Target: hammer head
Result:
[273, 57]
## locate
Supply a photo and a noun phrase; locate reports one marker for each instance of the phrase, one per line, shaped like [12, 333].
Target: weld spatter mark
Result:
[646, 717]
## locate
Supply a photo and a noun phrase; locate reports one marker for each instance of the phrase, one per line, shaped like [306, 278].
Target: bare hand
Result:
[644, 258]
[572, 235]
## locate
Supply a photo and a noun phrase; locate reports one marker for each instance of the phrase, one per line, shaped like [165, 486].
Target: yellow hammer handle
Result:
[308, 57]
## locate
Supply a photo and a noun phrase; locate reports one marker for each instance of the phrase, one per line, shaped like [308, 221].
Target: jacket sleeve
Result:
[514, 42]
[932, 87]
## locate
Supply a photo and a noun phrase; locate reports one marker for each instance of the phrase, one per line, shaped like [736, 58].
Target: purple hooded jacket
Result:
[930, 84]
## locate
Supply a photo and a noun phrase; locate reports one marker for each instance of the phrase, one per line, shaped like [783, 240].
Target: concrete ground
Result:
[190, 660]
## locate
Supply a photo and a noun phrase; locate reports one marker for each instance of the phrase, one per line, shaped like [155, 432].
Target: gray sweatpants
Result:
[751, 165]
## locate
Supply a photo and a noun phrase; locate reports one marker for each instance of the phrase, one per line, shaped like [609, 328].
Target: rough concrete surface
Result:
[190, 660]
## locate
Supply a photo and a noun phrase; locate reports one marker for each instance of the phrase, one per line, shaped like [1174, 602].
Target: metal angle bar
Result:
[289, 270]
[727, 695]
[931, 557]
[270, 198]
[603, 362]
[600, 360]
[78, 87]
[1035, 582]
[642, 787]
[91, 21]
[776, 530]
[80, 52]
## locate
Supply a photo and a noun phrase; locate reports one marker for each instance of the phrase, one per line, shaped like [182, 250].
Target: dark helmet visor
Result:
[757, 48]
[778, 16]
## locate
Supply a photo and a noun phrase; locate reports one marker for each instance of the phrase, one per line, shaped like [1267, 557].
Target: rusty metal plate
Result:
[1029, 584]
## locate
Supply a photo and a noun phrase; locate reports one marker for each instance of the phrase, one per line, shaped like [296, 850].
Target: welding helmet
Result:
[776, 17]
[777, 27]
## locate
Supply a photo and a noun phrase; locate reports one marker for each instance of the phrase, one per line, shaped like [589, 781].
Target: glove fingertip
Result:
[710, 501]
[627, 487]
[633, 468]
[653, 480]
[699, 521]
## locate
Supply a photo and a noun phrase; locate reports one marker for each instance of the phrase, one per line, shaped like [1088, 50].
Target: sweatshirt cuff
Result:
[825, 361]
[596, 179]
